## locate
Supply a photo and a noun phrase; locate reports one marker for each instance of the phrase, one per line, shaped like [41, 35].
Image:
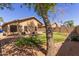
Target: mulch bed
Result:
[12, 50]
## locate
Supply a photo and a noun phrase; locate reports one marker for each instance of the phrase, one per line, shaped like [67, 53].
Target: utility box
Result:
[1, 33]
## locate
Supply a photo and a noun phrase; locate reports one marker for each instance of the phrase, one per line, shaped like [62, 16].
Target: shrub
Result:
[75, 38]
[23, 41]
[30, 41]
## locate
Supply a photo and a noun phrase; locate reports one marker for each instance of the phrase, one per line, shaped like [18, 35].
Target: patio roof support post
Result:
[18, 28]
[22, 28]
[8, 30]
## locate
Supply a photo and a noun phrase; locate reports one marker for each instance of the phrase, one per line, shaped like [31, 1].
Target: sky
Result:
[63, 13]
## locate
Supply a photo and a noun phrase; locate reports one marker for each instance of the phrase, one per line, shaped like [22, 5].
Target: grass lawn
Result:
[41, 39]
[57, 36]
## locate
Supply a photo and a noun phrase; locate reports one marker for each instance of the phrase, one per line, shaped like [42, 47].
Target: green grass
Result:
[57, 36]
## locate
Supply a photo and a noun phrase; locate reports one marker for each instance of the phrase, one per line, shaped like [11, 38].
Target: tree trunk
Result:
[49, 37]
[18, 28]
[49, 32]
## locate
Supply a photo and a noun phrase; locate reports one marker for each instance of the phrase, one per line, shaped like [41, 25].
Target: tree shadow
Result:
[69, 48]
[0, 49]
[6, 41]
[39, 46]
[41, 49]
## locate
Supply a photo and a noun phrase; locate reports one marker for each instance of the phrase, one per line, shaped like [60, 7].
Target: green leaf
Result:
[1, 19]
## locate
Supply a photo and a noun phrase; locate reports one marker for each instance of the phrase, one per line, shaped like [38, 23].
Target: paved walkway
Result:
[67, 49]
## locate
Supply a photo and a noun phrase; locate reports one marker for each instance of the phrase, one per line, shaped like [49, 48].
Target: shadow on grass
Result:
[41, 49]
[39, 46]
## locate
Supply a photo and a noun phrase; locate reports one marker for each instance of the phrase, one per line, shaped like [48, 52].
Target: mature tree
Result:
[69, 23]
[42, 10]
[6, 5]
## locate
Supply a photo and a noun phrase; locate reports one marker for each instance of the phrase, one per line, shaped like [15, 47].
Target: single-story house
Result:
[66, 29]
[22, 25]
[55, 27]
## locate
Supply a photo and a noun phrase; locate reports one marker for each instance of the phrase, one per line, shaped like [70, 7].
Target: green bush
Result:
[31, 41]
[75, 38]
[23, 41]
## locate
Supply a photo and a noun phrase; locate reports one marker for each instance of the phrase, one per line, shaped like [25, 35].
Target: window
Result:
[25, 28]
[20, 28]
[5, 28]
[13, 28]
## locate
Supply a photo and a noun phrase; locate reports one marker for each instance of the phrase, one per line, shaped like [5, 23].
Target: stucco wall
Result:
[28, 22]
[0, 27]
[23, 23]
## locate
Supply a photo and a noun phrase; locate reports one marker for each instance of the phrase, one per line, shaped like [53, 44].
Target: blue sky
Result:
[64, 12]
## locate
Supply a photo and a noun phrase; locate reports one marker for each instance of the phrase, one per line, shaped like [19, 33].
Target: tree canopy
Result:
[69, 23]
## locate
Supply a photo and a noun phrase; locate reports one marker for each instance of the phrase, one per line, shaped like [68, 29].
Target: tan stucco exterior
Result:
[28, 22]
[0, 27]
[23, 22]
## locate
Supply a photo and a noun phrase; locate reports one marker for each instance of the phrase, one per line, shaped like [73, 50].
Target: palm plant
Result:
[69, 23]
